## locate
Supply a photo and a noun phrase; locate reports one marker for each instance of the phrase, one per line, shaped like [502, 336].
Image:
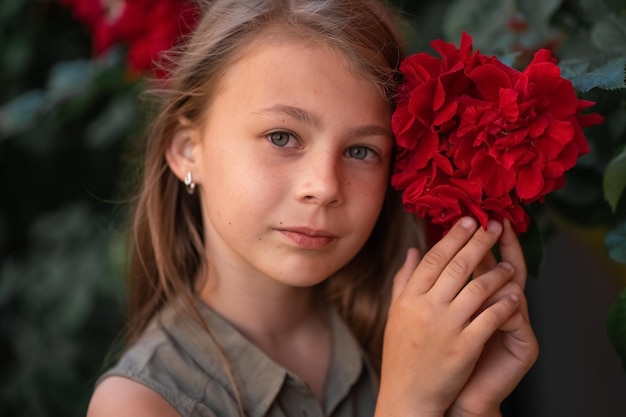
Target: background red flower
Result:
[146, 27]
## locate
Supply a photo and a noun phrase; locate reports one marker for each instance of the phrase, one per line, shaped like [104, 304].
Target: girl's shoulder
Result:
[175, 361]
[120, 397]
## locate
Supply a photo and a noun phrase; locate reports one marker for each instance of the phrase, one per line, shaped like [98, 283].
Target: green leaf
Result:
[509, 59]
[615, 240]
[591, 10]
[614, 180]
[17, 54]
[18, 115]
[609, 76]
[68, 79]
[10, 284]
[573, 68]
[616, 326]
[481, 18]
[618, 6]
[113, 124]
[538, 12]
[610, 34]
[620, 210]
[9, 8]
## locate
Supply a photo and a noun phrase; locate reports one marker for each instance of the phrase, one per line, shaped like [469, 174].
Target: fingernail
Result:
[493, 226]
[506, 266]
[467, 223]
[514, 298]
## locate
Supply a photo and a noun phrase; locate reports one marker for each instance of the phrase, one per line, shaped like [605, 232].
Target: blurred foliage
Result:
[68, 119]
[65, 119]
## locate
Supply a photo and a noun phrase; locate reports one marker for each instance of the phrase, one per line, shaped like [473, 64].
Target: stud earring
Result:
[189, 184]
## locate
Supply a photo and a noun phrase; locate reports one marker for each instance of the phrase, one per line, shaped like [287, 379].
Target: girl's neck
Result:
[289, 324]
[265, 312]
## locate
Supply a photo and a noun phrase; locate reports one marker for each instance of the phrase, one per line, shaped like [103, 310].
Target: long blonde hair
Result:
[167, 232]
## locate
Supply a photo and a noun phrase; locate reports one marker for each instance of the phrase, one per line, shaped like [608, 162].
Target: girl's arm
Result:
[451, 347]
[121, 397]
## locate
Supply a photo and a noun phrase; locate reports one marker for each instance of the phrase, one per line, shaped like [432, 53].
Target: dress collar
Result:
[249, 363]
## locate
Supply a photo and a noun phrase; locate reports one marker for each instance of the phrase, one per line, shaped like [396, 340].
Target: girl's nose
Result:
[319, 181]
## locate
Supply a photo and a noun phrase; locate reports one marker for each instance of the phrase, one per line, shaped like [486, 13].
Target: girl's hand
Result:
[510, 352]
[438, 326]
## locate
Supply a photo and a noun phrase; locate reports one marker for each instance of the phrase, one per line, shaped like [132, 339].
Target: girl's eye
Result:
[279, 138]
[360, 152]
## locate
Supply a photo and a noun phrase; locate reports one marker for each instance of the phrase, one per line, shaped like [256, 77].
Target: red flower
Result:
[146, 27]
[476, 137]
[150, 27]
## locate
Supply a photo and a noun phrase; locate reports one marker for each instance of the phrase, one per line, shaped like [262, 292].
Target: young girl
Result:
[270, 254]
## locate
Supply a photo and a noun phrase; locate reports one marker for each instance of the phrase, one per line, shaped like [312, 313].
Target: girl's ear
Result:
[182, 150]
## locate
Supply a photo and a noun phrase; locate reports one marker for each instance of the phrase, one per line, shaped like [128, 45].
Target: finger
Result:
[485, 265]
[511, 252]
[521, 341]
[436, 259]
[491, 319]
[511, 287]
[479, 293]
[405, 272]
[457, 272]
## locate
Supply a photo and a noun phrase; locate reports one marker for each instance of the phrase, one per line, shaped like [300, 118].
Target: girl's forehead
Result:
[307, 68]
[288, 78]
[287, 49]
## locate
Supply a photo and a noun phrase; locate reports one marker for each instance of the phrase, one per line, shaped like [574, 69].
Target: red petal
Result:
[586, 120]
[421, 102]
[529, 183]
[426, 148]
[558, 134]
[489, 79]
[495, 178]
[538, 127]
[517, 156]
[406, 129]
[446, 113]
[508, 104]
[472, 188]
[443, 163]
[448, 52]
[440, 96]
[543, 55]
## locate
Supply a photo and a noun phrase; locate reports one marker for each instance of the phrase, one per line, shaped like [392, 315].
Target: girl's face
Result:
[293, 165]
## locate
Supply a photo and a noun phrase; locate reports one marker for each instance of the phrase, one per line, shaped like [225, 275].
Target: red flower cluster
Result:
[147, 27]
[476, 137]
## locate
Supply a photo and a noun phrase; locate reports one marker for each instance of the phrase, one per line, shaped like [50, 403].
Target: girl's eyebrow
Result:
[296, 113]
[312, 119]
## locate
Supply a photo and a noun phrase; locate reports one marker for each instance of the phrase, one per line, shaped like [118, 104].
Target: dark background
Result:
[68, 125]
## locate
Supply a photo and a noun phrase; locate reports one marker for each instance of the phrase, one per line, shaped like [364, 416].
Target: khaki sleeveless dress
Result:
[178, 359]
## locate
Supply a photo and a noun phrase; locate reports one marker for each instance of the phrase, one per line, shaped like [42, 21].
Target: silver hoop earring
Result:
[189, 184]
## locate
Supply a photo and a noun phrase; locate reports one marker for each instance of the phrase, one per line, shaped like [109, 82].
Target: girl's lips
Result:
[309, 238]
